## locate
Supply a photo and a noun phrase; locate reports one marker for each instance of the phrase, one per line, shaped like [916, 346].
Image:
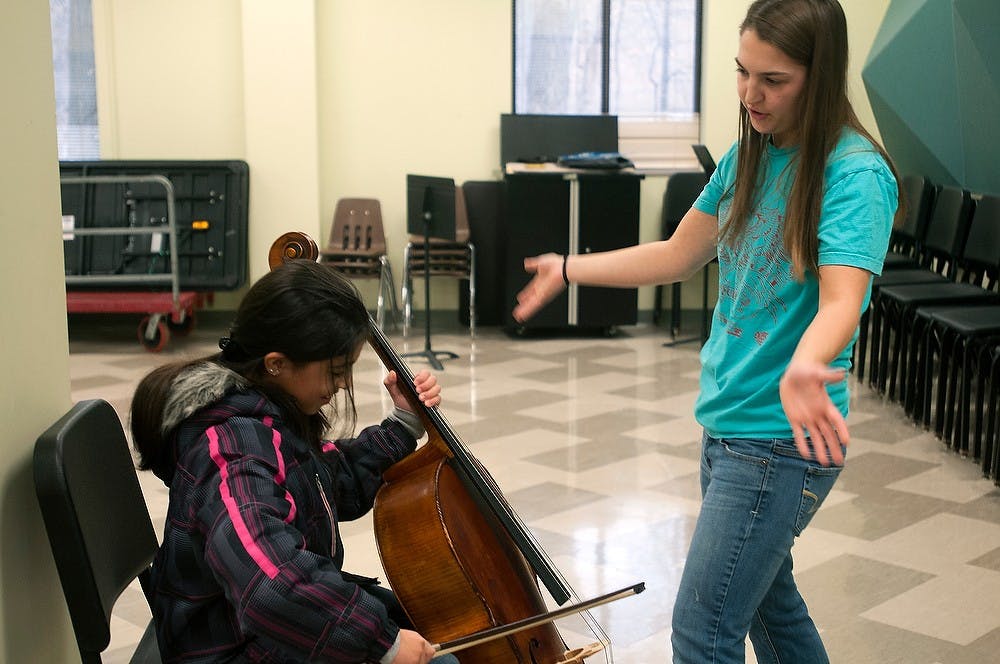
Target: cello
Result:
[457, 556]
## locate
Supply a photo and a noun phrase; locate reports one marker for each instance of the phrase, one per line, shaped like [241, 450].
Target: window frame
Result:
[656, 144]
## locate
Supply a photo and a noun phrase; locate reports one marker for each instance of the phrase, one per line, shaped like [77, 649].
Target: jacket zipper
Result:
[329, 513]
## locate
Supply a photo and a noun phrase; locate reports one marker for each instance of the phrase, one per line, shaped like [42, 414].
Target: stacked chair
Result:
[937, 256]
[357, 248]
[973, 268]
[931, 337]
[904, 249]
[455, 259]
[955, 368]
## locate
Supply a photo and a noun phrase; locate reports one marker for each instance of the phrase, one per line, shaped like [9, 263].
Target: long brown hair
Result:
[814, 34]
[303, 309]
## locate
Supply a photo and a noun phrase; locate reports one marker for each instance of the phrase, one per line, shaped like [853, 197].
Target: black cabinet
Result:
[574, 213]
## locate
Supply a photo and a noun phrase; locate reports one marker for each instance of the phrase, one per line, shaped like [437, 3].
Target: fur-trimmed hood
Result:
[198, 386]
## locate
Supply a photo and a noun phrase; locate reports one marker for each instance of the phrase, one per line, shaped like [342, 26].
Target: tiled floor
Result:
[593, 442]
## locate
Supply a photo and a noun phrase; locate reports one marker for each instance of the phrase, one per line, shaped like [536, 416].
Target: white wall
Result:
[34, 392]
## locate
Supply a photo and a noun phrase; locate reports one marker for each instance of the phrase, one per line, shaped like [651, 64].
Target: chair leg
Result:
[899, 377]
[912, 396]
[386, 294]
[380, 301]
[895, 325]
[874, 336]
[406, 295]
[942, 383]
[991, 415]
[390, 290]
[932, 349]
[861, 346]
[472, 290]
[953, 393]
[980, 371]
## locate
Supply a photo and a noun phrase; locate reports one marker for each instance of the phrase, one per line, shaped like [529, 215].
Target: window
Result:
[76, 87]
[637, 59]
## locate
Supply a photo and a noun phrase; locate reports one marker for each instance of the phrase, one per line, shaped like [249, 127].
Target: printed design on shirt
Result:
[758, 270]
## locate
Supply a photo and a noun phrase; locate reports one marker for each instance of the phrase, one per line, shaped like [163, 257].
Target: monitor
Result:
[541, 138]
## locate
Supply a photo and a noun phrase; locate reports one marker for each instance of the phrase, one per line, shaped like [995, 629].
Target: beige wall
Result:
[34, 391]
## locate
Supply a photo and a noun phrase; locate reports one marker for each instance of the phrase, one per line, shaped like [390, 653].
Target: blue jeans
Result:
[757, 496]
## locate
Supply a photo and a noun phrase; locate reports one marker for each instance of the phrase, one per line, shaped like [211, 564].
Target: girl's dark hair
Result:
[306, 310]
[814, 34]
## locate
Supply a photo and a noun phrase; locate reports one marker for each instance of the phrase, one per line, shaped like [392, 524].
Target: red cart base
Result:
[162, 315]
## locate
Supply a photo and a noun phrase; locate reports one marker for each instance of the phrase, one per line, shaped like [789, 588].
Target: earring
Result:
[273, 371]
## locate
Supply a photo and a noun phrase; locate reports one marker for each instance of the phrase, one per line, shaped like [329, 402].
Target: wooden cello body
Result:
[453, 570]
[454, 552]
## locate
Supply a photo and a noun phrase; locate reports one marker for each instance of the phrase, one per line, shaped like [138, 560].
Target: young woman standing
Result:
[798, 213]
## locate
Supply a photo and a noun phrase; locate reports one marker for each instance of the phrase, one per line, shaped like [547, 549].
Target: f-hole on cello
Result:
[459, 559]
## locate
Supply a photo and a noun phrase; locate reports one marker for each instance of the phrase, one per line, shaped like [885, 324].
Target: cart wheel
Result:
[161, 335]
[183, 328]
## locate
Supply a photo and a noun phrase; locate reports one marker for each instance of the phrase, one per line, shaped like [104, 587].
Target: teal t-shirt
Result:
[762, 311]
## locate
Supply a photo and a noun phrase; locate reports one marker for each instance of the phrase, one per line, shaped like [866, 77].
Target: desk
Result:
[575, 212]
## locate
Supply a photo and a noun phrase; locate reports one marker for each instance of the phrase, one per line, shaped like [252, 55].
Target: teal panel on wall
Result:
[933, 79]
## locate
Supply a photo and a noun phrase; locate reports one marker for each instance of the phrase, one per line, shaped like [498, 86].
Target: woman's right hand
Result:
[545, 285]
[413, 648]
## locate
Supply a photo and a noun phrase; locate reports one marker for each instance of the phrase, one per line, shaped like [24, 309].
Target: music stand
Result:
[430, 211]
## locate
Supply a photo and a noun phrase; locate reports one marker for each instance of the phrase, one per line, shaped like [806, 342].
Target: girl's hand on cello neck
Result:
[428, 390]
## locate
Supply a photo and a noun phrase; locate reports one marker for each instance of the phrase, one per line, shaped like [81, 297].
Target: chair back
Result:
[919, 195]
[357, 228]
[947, 230]
[96, 518]
[981, 257]
[682, 191]
[462, 233]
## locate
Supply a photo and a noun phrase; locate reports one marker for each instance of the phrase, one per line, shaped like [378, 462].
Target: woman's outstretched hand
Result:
[428, 390]
[809, 408]
[545, 285]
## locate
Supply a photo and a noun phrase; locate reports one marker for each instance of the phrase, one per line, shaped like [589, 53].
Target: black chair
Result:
[97, 522]
[903, 252]
[938, 257]
[977, 274]
[955, 351]
[680, 194]
[960, 349]
[905, 240]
